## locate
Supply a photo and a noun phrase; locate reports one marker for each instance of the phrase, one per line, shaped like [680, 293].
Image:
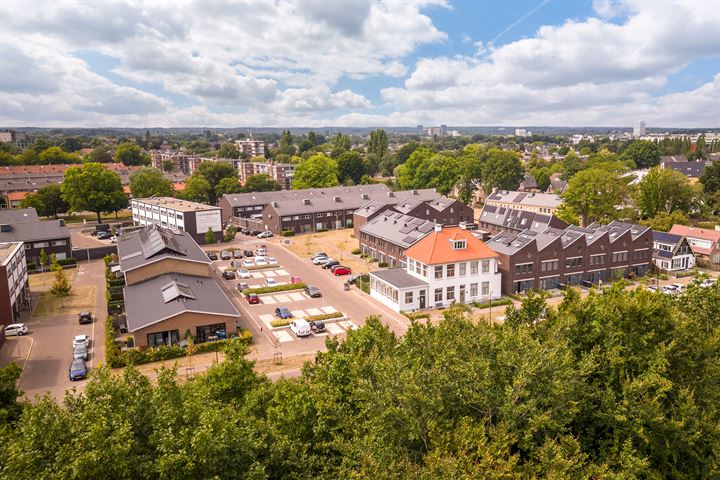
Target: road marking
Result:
[282, 272]
[266, 317]
[334, 329]
[297, 296]
[327, 309]
[268, 300]
[314, 311]
[282, 298]
[270, 273]
[283, 336]
[32, 343]
[298, 313]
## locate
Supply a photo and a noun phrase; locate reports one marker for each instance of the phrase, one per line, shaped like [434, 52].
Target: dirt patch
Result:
[336, 243]
[288, 363]
[81, 299]
[41, 280]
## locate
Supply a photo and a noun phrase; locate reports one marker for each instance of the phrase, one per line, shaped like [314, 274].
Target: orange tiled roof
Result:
[12, 196]
[178, 186]
[704, 233]
[436, 248]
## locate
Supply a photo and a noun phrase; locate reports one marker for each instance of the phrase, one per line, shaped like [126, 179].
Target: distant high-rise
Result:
[639, 131]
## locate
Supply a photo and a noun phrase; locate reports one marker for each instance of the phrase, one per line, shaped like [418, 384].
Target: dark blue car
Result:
[283, 312]
[78, 370]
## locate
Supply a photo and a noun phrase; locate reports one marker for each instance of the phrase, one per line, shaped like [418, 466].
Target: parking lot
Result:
[354, 305]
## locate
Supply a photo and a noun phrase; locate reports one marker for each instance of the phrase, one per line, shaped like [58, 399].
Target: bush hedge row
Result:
[288, 233]
[495, 303]
[324, 316]
[276, 288]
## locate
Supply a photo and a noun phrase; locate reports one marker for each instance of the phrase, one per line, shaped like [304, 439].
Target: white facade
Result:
[149, 213]
[13, 259]
[671, 258]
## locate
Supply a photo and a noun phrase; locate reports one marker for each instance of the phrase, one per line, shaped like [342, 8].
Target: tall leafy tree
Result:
[595, 194]
[197, 189]
[502, 170]
[56, 155]
[351, 167]
[47, 201]
[93, 188]
[149, 182]
[227, 185]
[261, 183]
[228, 150]
[570, 166]
[214, 172]
[286, 143]
[644, 153]
[315, 172]
[101, 154]
[664, 190]
[129, 153]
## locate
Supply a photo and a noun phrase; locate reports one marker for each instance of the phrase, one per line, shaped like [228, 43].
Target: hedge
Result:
[355, 251]
[253, 267]
[276, 288]
[382, 264]
[31, 265]
[495, 303]
[324, 316]
[416, 316]
[67, 261]
[288, 233]
[687, 273]
[280, 322]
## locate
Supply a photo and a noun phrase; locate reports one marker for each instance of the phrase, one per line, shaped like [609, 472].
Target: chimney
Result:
[414, 192]
[336, 199]
[390, 194]
[463, 225]
[438, 227]
[61, 222]
[274, 204]
[306, 201]
[365, 196]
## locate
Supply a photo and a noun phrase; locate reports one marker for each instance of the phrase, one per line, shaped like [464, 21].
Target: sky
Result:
[360, 63]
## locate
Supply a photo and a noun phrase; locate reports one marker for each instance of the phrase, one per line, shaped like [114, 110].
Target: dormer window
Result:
[458, 244]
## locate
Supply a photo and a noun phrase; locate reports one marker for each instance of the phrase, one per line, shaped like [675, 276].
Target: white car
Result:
[243, 273]
[261, 252]
[270, 282]
[679, 287]
[249, 262]
[113, 239]
[708, 282]
[272, 260]
[265, 234]
[300, 327]
[669, 289]
[81, 340]
[320, 260]
[260, 261]
[18, 329]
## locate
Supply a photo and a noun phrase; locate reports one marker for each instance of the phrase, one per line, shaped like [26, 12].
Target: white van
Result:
[300, 328]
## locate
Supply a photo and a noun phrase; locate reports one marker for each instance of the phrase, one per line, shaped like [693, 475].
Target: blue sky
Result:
[360, 63]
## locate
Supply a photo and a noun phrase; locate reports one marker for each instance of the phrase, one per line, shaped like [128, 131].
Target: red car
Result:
[252, 298]
[342, 271]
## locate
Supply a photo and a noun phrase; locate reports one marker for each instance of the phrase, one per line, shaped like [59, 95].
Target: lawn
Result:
[40, 280]
[91, 217]
[81, 299]
[336, 243]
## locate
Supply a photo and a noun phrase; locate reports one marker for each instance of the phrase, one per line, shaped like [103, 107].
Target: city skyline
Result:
[360, 64]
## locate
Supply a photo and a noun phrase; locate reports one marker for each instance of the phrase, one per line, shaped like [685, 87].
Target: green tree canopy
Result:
[129, 153]
[93, 188]
[261, 183]
[101, 154]
[228, 185]
[502, 170]
[316, 172]
[594, 194]
[148, 182]
[228, 150]
[644, 153]
[286, 143]
[214, 172]
[197, 189]
[47, 201]
[664, 190]
[571, 165]
[350, 167]
[56, 155]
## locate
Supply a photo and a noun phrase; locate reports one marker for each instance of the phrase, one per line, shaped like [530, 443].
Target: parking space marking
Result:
[323, 334]
[281, 298]
[348, 325]
[297, 296]
[257, 275]
[283, 336]
[266, 317]
[334, 328]
[314, 311]
[268, 299]
[327, 309]
[270, 273]
[298, 313]
[282, 272]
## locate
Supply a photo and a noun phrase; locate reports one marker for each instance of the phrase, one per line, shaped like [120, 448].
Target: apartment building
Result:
[14, 287]
[493, 220]
[387, 236]
[672, 253]
[529, 202]
[24, 225]
[181, 161]
[450, 265]
[280, 172]
[179, 215]
[253, 148]
[170, 289]
[17, 138]
[533, 260]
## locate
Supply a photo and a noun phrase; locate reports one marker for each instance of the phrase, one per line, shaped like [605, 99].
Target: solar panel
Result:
[519, 197]
[155, 239]
[409, 239]
[174, 290]
[426, 228]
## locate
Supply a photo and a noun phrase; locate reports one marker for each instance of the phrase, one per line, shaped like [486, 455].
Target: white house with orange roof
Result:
[704, 242]
[448, 265]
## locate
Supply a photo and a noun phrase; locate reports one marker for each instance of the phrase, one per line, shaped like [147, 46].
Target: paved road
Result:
[47, 365]
[354, 304]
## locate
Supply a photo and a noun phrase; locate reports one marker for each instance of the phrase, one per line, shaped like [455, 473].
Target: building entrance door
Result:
[422, 298]
[462, 293]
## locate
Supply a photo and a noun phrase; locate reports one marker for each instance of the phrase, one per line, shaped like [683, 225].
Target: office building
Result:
[179, 215]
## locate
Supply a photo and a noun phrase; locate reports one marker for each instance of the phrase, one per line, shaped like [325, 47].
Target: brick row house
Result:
[493, 220]
[596, 254]
[387, 236]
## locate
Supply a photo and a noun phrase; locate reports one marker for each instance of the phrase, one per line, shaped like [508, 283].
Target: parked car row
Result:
[81, 353]
[328, 263]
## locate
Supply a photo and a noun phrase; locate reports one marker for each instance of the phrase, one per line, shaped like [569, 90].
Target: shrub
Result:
[288, 233]
[324, 316]
[67, 261]
[31, 265]
[276, 288]
[416, 316]
[495, 303]
[280, 323]
[663, 276]
[355, 251]
[382, 264]
[687, 273]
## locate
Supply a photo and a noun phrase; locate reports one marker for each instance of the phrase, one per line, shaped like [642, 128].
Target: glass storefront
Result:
[159, 339]
[208, 333]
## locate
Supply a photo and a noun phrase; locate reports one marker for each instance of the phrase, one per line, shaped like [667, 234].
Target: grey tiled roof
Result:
[26, 226]
[514, 219]
[546, 200]
[399, 229]
[689, 169]
[171, 294]
[264, 198]
[153, 243]
[399, 278]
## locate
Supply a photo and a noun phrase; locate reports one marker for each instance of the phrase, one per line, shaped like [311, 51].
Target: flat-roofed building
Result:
[529, 202]
[180, 215]
[14, 287]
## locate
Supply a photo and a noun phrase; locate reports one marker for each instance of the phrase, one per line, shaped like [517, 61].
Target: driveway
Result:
[49, 354]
